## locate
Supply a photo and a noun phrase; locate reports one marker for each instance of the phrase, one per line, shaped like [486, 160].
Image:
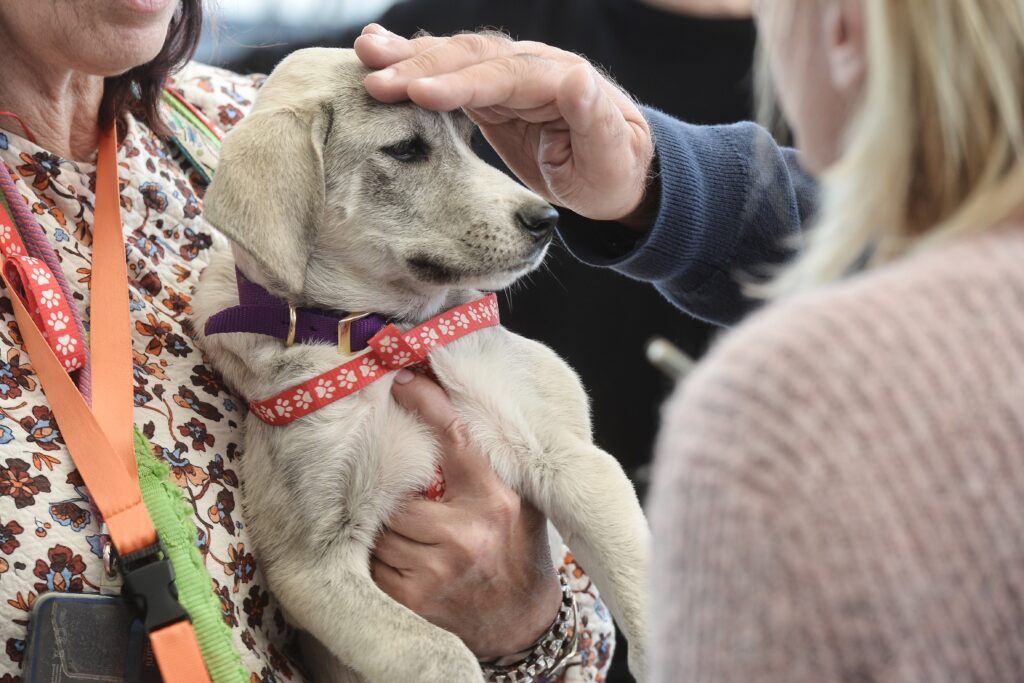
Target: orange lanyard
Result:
[101, 440]
[111, 337]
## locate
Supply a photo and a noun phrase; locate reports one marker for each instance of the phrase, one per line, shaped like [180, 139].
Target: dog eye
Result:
[413, 149]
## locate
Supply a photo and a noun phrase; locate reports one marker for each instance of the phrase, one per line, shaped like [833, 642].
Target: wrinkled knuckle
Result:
[457, 434]
[436, 573]
[550, 52]
[506, 502]
[482, 552]
[595, 73]
[428, 62]
[513, 68]
[477, 44]
[447, 535]
[525, 63]
[464, 548]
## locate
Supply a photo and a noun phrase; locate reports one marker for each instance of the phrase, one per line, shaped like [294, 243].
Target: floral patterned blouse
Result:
[49, 532]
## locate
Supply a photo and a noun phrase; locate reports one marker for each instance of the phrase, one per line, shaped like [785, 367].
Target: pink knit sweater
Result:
[839, 489]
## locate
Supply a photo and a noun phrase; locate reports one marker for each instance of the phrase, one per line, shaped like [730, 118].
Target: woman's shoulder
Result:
[225, 97]
[922, 337]
[887, 314]
[821, 434]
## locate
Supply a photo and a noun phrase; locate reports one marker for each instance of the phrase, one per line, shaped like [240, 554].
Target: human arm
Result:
[727, 198]
[726, 202]
[477, 563]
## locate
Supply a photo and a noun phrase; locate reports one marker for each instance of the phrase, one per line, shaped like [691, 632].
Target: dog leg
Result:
[610, 540]
[371, 633]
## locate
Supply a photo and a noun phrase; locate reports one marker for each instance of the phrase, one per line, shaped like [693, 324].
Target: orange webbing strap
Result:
[104, 451]
[177, 654]
[114, 490]
[114, 399]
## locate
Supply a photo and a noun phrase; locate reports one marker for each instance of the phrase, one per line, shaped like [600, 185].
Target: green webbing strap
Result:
[172, 518]
[177, 106]
[194, 139]
[171, 515]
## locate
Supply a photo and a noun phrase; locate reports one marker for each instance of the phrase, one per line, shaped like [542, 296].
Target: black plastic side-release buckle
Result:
[149, 583]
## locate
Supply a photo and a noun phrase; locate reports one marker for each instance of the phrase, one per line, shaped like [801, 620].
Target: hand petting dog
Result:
[476, 563]
[568, 132]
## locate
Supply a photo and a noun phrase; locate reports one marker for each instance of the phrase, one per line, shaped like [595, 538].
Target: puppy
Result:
[334, 201]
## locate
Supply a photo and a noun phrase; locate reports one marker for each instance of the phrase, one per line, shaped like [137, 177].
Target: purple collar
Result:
[260, 312]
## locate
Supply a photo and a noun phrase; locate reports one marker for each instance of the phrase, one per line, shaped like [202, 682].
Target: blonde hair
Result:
[935, 150]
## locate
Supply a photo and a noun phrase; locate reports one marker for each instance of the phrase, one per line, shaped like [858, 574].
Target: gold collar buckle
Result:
[345, 332]
[291, 326]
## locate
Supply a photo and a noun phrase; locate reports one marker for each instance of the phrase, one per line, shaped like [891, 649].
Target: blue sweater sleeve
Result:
[731, 207]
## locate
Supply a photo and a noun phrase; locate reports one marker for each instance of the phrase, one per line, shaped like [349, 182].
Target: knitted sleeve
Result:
[732, 204]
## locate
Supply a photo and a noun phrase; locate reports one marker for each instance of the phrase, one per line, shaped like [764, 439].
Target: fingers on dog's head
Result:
[423, 57]
[381, 49]
[519, 81]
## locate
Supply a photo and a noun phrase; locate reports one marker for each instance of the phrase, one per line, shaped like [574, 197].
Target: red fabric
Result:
[37, 286]
[390, 349]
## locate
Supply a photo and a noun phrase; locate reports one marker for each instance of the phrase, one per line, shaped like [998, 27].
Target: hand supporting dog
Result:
[448, 561]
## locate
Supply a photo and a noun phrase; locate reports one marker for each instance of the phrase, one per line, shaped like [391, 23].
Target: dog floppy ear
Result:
[267, 195]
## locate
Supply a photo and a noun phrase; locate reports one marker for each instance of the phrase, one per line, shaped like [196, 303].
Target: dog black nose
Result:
[538, 220]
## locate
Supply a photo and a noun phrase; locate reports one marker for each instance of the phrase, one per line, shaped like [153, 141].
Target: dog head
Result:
[334, 200]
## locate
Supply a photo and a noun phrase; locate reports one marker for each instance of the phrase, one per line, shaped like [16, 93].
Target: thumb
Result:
[595, 165]
[463, 465]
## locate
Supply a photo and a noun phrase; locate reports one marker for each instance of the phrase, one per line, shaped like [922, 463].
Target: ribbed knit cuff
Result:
[703, 182]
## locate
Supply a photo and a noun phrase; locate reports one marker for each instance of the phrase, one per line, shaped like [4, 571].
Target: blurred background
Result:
[690, 58]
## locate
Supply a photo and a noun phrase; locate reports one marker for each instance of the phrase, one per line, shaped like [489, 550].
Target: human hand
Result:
[569, 133]
[477, 562]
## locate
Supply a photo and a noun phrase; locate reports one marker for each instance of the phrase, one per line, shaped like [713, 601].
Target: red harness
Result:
[388, 350]
[40, 290]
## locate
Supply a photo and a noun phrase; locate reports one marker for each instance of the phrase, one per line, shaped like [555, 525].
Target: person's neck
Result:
[60, 106]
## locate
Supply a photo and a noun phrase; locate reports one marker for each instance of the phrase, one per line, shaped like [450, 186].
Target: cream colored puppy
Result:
[335, 201]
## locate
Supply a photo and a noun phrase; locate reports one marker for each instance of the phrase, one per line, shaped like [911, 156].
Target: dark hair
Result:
[139, 90]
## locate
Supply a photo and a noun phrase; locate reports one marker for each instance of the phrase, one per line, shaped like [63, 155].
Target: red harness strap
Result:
[38, 286]
[390, 349]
